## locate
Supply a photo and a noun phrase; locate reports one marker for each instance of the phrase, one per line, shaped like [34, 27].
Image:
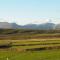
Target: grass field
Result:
[22, 44]
[32, 49]
[36, 55]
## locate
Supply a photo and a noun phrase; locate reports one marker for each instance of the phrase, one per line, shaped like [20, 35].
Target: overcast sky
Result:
[29, 11]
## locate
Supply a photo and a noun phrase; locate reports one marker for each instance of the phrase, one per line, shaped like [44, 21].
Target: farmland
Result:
[29, 46]
[31, 49]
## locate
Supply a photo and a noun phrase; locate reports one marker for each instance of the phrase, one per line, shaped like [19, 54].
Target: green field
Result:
[36, 55]
[18, 50]
[29, 44]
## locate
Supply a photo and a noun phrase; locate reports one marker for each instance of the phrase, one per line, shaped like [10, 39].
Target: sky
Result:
[29, 11]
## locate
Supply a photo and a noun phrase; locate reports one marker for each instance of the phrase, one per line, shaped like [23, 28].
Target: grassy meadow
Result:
[20, 45]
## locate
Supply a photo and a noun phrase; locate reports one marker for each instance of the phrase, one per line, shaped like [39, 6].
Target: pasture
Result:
[22, 44]
[32, 49]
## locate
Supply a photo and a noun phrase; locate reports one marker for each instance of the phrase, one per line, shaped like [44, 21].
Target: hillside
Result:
[27, 34]
[45, 26]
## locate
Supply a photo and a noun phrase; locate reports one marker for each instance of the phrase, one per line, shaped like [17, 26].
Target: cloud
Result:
[23, 21]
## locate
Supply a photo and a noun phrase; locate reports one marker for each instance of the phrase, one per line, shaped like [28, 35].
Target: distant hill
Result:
[5, 25]
[45, 26]
[57, 26]
[40, 26]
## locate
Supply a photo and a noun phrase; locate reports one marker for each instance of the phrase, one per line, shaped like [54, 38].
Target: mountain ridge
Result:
[46, 26]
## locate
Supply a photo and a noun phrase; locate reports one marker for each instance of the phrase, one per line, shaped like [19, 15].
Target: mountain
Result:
[57, 27]
[5, 25]
[14, 26]
[30, 26]
[40, 26]
[45, 26]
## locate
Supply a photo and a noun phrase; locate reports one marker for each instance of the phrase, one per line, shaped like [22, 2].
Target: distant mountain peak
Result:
[44, 26]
